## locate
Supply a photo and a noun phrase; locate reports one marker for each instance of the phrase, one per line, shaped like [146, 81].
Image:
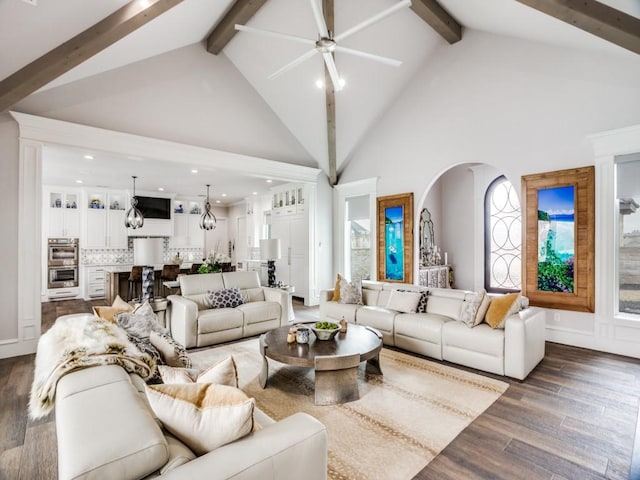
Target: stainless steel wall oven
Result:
[62, 260]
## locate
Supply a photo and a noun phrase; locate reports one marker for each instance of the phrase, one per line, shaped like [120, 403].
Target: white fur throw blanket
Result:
[75, 342]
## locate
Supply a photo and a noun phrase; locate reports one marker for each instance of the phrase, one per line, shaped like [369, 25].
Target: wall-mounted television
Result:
[152, 207]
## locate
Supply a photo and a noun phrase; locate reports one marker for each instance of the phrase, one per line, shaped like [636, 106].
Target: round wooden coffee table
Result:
[335, 361]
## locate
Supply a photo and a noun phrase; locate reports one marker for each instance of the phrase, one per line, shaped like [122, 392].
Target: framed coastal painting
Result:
[559, 239]
[395, 238]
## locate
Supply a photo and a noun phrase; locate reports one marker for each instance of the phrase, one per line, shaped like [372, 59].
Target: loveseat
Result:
[194, 323]
[106, 429]
[513, 350]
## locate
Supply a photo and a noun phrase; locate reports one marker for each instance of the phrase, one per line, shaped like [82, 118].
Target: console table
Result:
[435, 276]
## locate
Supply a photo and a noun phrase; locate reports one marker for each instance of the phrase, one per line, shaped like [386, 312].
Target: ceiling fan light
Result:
[133, 218]
[320, 84]
[208, 220]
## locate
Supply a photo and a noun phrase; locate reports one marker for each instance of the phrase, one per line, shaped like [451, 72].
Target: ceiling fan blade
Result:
[269, 33]
[290, 65]
[370, 56]
[372, 20]
[319, 18]
[333, 71]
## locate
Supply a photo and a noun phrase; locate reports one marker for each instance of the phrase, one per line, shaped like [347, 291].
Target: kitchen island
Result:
[117, 280]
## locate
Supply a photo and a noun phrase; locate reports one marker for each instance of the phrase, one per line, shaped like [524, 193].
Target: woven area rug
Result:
[401, 422]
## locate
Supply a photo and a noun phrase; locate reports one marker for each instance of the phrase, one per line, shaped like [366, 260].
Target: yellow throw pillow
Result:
[203, 416]
[109, 313]
[500, 308]
[336, 289]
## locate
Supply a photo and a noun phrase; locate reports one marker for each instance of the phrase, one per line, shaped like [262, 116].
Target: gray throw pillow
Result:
[225, 298]
[350, 292]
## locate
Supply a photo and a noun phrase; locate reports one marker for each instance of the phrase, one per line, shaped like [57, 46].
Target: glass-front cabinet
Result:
[105, 213]
[62, 216]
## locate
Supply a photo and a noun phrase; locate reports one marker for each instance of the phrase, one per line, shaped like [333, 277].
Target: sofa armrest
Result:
[524, 342]
[291, 449]
[325, 297]
[182, 315]
[282, 297]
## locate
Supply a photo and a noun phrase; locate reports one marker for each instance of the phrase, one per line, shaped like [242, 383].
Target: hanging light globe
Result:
[133, 218]
[208, 220]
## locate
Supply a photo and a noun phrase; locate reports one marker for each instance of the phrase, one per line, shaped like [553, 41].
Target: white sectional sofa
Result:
[107, 430]
[512, 351]
[194, 323]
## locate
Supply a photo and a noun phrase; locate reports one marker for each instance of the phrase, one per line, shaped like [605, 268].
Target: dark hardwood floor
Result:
[574, 417]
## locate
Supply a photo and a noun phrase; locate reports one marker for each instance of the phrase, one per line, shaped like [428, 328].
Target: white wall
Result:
[520, 106]
[9, 229]
[186, 95]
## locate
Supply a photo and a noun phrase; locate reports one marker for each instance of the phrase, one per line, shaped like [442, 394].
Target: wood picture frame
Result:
[559, 208]
[395, 238]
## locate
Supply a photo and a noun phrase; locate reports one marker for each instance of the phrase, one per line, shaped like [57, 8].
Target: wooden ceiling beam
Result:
[594, 17]
[241, 12]
[330, 99]
[78, 49]
[437, 18]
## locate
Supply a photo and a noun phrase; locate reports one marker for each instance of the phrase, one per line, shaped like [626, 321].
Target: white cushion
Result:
[204, 416]
[405, 302]
[223, 372]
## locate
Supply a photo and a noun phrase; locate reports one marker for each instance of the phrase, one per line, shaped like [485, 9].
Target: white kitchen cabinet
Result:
[187, 231]
[104, 224]
[61, 215]
[94, 282]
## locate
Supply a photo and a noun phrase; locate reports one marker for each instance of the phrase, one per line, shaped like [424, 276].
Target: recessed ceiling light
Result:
[269, 181]
[88, 157]
[194, 171]
[78, 181]
[161, 189]
[254, 193]
[320, 83]
[224, 194]
[218, 201]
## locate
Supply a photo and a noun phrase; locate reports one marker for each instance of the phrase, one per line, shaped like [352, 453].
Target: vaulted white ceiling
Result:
[27, 32]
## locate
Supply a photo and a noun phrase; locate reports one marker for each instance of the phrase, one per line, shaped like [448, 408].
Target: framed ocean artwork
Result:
[395, 238]
[559, 245]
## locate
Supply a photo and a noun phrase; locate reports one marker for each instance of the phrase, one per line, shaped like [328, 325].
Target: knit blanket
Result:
[75, 342]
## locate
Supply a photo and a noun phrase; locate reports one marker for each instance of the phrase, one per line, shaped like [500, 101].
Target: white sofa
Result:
[513, 351]
[106, 430]
[194, 323]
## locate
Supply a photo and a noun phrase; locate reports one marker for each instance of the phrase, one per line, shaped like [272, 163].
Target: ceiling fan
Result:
[327, 43]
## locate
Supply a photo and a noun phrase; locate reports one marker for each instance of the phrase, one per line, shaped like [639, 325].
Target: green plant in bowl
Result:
[325, 330]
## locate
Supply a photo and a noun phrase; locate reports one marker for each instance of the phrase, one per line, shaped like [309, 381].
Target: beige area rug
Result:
[401, 422]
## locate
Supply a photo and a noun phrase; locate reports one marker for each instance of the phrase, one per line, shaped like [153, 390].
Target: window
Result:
[503, 233]
[628, 238]
[358, 237]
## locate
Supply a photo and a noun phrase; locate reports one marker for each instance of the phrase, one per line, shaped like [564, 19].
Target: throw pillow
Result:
[473, 310]
[202, 415]
[224, 372]
[173, 354]
[225, 298]
[422, 304]
[109, 313]
[178, 375]
[500, 308]
[140, 324]
[404, 301]
[350, 292]
[336, 289]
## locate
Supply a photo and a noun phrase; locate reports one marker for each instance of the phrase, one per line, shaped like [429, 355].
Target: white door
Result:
[241, 239]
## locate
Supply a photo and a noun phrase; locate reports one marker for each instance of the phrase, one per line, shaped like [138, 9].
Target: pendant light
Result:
[134, 218]
[208, 220]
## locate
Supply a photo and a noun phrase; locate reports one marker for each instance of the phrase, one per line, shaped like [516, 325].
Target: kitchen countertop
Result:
[123, 267]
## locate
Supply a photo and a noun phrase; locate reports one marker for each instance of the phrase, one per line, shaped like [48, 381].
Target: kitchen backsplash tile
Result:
[96, 256]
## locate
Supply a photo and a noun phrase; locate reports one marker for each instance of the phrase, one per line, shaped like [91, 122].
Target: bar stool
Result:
[169, 273]
[194, 268]
[134, 277]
